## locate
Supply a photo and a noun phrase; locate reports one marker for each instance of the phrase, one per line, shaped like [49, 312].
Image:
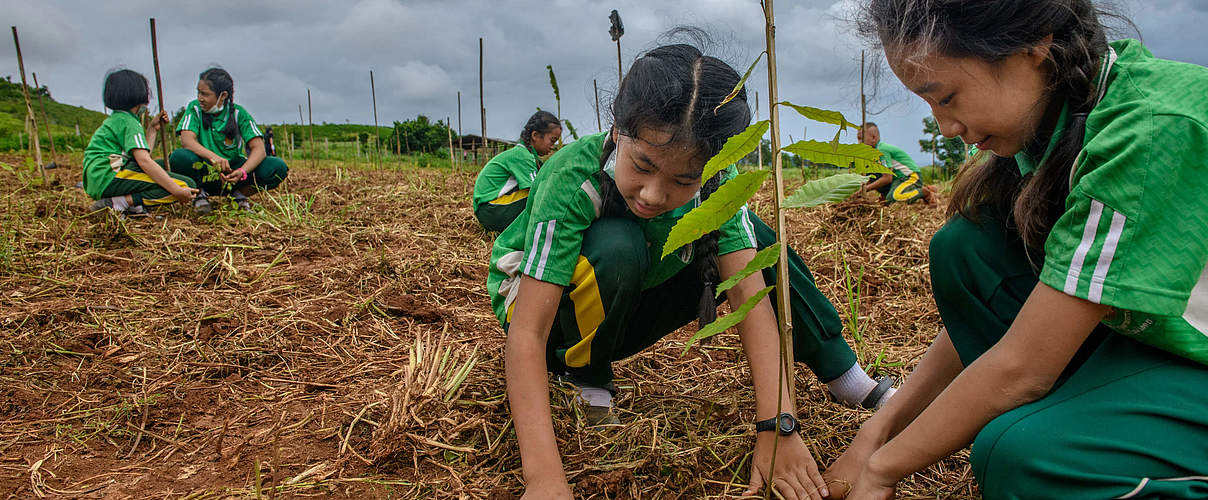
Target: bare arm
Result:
[528, 387]
[1020, 368]
[879, 183]
[255, 156]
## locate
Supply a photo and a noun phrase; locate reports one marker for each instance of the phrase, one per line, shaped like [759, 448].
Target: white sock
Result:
[595, 396]
[119, 203]
[853, 386]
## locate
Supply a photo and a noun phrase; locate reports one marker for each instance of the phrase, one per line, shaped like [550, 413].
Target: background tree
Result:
[948, 153]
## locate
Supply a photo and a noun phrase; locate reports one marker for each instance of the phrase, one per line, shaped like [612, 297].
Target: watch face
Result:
[786, 423]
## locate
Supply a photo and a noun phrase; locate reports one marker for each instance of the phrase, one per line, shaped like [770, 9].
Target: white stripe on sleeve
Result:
[528, 267]
[749, 227]
[1095, 294]
[1088, 239]
[596, 201]
[549, 242]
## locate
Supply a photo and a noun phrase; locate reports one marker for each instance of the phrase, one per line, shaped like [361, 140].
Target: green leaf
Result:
[715, 211]
[743, 81]
[729, 320]
[553, 82]
[865, 159]
[820, 115]
[825, 190]
[736, 147]
[762, 259]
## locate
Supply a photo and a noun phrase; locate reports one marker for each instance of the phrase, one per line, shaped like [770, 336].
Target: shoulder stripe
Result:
[592, 193]
[1088, 239]
[748, 227]
[528, 267]
[184, 125]
[549, 242]
[1095, 294]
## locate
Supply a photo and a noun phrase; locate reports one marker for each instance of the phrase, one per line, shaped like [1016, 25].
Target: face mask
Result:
[216, 109]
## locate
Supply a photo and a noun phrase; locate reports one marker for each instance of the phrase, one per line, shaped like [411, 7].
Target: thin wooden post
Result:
[377, 133]
[460, 144]
[759, 148]
[482, 107]
[449, 131]
[29, 110]
[311, 112]
[596, 90]
[863, 99]
[54, 154]
[159, 93]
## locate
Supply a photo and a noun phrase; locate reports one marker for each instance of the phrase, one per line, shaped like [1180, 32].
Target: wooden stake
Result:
[863, 99]
[449, 130]
[377, 133]
[460, 144]
[596, 90]
[759, 149]
[482, 107]
[54, 155]
[310, 111]
[159, 93]
[29, 110]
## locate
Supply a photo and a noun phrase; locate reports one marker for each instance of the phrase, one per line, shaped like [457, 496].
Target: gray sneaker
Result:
[244, 204]
[106, 203]
[202, 206]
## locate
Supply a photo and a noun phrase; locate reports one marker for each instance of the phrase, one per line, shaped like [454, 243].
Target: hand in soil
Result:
[542, 491]
[233, 176]
[867, 488]
[846, 470]
[797, 476]
[184, 195]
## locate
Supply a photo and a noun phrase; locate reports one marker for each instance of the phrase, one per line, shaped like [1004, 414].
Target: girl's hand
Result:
[872, 487]
[846, 470]
[184, 194]
[234, 175]
[223, 164]
[159, 121]
[550, 489]
[797, 476]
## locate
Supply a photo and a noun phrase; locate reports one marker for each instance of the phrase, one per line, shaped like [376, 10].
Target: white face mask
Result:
[216, 109]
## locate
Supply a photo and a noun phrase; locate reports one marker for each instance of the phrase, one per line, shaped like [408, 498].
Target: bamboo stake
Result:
[482, 107]
[29, 110]
[863, 99]
[782, 264]
[596, 90]
[450, 133]
[311, 112]
[54, 154]
[460, 144]
[758, 149]
[377, 133]
[159, 93]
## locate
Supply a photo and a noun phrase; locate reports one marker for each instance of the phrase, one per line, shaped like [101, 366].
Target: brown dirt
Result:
[235, 355]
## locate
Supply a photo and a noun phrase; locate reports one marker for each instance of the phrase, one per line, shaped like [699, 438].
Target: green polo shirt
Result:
[506, 173]
[897, 160]
[120, 134]
[212, 138]
[1134, 234]
[563, 202]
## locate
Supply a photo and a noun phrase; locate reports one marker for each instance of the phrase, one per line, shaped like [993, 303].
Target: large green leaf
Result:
[715, 211]
[865, 159]
[743, 81]
[736, 147]
[762, 259]
[721, 324]
[825, 190]
[821, 115]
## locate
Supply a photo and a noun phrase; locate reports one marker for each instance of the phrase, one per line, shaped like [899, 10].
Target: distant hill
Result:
[63, 118]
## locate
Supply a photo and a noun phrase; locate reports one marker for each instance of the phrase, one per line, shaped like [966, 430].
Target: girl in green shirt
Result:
[1074, 297]
[215, 133]
[502, 187]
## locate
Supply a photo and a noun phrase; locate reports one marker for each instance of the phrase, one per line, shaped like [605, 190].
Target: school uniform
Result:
[109, 165]
[267, 175]
[1129, 418]
[907, 185]
[502, 187]
[620, 297]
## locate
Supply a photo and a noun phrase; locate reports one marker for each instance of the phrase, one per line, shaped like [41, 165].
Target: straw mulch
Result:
[340, 343]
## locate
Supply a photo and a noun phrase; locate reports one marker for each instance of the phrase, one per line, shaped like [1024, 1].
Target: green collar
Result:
[1028, 164]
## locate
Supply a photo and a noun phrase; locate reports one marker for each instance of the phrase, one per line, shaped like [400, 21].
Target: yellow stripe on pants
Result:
[911, 183]
[589, 311]
[141, 177]
[509, 198]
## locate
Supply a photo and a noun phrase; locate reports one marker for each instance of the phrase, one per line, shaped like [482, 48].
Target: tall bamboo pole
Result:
[29, 109]
[596, 90]
[782, 264]
[759, 148]
[377, 133]
[460, 144]
[482, 107]
[54, 154]
[449, 131]
[310, 111]
[863, 99]
[159, 93]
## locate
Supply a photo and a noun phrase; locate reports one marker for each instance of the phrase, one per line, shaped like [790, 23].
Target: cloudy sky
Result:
[423, 52]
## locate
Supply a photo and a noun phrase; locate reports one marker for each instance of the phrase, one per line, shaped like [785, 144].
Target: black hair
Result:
[869, 124]
[541, 122]
[992, 30]
[676, 89]
[220, 81]
[125, 89]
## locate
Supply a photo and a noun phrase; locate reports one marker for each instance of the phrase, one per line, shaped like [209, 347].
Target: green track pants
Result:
[1126, 420]
[605, 316]
[271, 171]
[143, 190]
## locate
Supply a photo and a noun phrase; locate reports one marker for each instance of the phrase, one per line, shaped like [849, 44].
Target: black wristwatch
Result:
[785, 423]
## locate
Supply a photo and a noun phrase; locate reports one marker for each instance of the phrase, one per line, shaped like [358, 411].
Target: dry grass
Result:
[277, 355]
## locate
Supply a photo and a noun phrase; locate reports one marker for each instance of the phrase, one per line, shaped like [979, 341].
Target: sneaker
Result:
[593, 416]
[244, 204]
[202, 206]
[106, 203]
